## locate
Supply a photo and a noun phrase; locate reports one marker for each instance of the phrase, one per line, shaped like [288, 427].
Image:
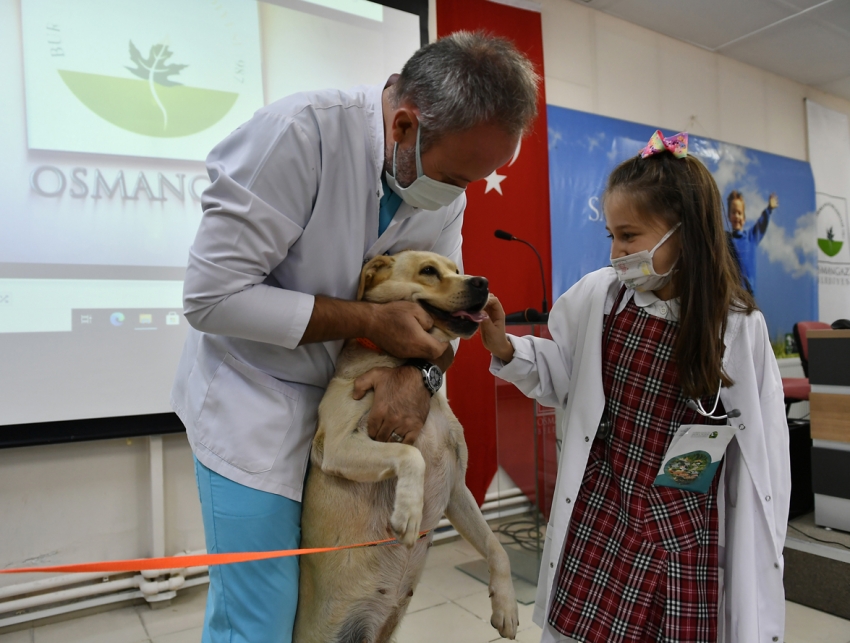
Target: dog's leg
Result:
[351, 454]
[466, 517]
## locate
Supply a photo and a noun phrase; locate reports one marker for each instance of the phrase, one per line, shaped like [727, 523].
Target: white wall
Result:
[69, 503]
[604, 65]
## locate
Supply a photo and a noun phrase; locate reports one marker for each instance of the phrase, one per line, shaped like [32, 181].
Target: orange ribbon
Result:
[368, 343]
[181, 562]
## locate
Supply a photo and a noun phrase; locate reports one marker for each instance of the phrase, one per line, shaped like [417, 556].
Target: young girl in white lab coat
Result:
[640, 349]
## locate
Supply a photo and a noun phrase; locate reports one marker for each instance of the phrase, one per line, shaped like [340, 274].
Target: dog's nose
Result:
[479, 283]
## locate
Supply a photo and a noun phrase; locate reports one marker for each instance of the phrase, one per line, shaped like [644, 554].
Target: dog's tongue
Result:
[478, 317]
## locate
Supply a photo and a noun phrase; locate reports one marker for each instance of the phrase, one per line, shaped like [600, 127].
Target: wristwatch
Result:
[432, 375]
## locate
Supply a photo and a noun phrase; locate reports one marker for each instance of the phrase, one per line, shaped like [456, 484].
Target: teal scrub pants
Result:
[249, 602]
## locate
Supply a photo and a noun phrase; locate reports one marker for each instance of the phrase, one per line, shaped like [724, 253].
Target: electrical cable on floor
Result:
[525, 532]
[820, 540]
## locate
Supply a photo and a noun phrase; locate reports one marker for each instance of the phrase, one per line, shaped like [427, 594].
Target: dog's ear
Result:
[373, 273]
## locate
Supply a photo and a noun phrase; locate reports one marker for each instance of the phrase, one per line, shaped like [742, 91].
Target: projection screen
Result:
[109, 110]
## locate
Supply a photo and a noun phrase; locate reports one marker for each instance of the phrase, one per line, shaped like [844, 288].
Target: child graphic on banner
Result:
[643, 354]
[746, 242]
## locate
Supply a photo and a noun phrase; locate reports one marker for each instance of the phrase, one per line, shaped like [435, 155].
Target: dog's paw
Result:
[406, 521]
[409, 497]
[505, 616]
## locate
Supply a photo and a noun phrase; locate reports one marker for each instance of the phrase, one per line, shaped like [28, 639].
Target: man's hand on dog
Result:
[401, 402]
[401, 328]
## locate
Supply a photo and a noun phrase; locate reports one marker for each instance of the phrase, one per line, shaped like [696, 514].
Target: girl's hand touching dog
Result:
[493, 331]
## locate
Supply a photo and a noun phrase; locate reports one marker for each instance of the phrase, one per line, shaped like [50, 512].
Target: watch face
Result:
[435, 378]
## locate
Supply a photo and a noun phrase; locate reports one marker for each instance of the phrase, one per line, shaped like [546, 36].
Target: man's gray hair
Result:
[466, 79]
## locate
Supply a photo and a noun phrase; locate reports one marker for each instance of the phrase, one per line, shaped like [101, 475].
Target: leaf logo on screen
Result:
[831, 234]
[153, 103]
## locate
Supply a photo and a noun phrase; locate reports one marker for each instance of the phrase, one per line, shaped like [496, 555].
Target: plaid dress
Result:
[640, 562]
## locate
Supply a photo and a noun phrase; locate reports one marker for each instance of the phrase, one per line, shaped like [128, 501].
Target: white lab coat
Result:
[754, 493]
[292, 211]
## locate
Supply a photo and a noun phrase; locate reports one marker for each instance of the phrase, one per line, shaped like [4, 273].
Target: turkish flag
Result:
[514, 198]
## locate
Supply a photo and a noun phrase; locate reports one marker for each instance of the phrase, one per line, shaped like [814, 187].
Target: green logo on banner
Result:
[830, 246]
[831, 233]
[155, 104]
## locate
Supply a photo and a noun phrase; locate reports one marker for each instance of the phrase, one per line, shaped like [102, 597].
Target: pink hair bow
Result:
[676, 144]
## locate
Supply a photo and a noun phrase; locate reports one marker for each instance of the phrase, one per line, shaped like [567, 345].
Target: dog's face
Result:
[434, 282]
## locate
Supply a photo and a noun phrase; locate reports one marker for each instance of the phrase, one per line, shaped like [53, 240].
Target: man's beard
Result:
[405, 162]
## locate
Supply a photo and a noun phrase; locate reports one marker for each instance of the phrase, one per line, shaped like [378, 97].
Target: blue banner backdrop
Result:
[584, 148]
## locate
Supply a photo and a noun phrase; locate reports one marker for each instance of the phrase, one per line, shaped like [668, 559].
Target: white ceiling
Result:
[805, 40]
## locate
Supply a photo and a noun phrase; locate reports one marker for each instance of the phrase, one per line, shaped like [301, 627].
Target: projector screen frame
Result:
[131, 426]
[128, 426]
[419, 7]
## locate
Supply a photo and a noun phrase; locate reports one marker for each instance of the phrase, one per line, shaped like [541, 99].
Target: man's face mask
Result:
[636, 270]
[424, 192]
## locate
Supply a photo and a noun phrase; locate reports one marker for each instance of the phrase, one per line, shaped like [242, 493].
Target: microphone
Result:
[529, 314]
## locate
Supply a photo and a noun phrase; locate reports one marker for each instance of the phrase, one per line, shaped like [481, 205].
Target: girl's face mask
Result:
[636, 270]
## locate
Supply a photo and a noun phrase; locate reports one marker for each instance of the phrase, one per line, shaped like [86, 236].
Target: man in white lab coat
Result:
[303, 194]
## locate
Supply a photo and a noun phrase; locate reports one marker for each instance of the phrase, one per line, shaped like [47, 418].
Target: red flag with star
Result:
[514, 198]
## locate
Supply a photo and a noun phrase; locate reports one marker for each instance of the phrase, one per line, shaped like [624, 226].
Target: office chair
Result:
[797, 389]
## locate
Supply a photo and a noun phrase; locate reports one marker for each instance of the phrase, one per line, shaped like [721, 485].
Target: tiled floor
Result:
[448, 607]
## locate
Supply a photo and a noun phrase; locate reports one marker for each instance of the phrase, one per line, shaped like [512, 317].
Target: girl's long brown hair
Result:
[706, 278]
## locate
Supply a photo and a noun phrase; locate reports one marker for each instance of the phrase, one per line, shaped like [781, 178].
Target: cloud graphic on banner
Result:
[594, 141]
[624, 148]
[732, 162]
[796, 253]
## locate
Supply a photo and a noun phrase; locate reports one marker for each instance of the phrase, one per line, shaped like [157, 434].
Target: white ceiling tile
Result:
[799, 6]
[835, 15]
[708, 24]
[812, 48]
[801, 49]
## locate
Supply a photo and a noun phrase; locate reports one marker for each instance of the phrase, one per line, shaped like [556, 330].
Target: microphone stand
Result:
[529, 315]
[545, 309]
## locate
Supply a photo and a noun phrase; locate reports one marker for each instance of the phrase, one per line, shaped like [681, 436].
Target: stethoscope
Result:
[696, 405]
[605, 424]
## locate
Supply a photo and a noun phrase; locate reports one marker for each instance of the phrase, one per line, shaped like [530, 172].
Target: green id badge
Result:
[694, 456]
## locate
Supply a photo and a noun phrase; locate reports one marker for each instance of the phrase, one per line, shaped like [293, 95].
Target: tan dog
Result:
[359, 490]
